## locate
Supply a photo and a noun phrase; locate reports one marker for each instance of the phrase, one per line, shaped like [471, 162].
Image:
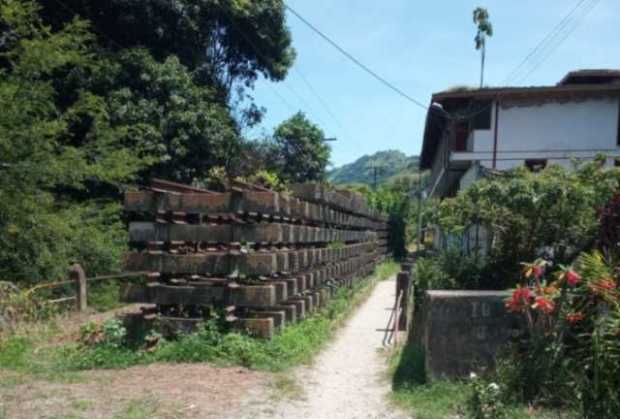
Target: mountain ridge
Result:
[388, 163]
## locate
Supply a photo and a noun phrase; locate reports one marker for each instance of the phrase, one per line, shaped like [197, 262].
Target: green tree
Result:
[299, 152]
[42, 228]
[164, 113]
[485, 28]
[220, 41]
[168, 73]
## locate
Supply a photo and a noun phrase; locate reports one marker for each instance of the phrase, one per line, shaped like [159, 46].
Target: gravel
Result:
[349, 378]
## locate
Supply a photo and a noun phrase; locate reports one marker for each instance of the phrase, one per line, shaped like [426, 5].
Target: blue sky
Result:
[421, 47]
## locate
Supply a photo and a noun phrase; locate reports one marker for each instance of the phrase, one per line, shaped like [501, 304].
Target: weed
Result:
[82, 404]
[104, 296]
[15, 352]
[286, 387]
[138, 409]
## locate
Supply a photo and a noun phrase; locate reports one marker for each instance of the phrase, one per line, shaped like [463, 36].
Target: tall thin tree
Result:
[485, 28]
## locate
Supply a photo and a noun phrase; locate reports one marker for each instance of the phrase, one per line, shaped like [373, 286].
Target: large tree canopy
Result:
[223, 41]
[42, 229]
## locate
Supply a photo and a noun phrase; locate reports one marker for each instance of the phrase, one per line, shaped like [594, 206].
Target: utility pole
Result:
[376, 171]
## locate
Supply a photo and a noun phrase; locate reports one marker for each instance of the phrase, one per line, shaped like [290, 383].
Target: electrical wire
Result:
[575, 24]
[542, 43]
[355, 60]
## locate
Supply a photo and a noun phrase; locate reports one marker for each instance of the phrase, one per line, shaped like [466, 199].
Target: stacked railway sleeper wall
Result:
[259, 258]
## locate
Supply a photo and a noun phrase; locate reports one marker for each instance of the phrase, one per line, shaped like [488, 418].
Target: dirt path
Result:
[348, 379]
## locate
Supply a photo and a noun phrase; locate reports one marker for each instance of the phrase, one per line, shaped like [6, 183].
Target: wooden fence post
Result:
[76, 273]
[404, 285]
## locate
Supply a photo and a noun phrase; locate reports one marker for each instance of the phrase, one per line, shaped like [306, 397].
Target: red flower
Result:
[543, 304]
[575, 317]
[519, 299]
[537, 271]
[573, 278]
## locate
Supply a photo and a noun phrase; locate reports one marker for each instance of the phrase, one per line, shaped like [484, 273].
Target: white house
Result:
[468, 131]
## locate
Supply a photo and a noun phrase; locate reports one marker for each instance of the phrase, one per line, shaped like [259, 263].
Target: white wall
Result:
[552, 131]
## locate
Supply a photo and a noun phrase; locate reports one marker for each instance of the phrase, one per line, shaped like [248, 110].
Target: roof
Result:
[593, 76]
[522, 92]
[575, 85]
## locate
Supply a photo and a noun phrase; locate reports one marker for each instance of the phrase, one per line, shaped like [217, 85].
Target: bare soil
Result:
[153, 391]
[347, 380]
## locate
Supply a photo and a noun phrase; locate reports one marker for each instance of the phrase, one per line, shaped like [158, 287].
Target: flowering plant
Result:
[573, 319]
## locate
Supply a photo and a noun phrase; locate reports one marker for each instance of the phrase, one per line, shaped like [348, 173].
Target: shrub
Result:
[555, 209]
[485, 401]
[572, 347]
[429, 274]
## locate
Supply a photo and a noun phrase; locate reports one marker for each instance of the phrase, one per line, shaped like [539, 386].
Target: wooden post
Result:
[403, 284]
[76, 273]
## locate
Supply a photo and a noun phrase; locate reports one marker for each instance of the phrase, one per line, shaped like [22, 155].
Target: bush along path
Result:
[349, 377]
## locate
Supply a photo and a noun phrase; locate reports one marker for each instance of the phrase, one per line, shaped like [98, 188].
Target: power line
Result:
[541, 44]
[318, 97]
[575, 24]
[355, 60]
[269, 60]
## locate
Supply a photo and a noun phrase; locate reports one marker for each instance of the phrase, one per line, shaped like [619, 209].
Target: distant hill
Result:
[389, 164]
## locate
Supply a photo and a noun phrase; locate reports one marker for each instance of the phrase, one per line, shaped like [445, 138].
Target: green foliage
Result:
[485, 401]
[430, 275]
[104, 345]
[104, 296]
[223, 42]
[42, 230]
[14, 352]
[437, 400]
[299, 151]
[395, 200]
[163, 111]
[555, 209]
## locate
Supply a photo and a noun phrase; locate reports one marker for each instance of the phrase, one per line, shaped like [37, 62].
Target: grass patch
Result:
[284, 386]
[138, 409]
[105, 296]
[439, 400]
[297, 344]
[442, 398]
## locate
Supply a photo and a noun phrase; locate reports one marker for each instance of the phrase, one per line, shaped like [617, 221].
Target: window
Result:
[536, 165]
[482, 120]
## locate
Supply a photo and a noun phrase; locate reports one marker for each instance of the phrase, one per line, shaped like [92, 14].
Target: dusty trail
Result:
[348, 379]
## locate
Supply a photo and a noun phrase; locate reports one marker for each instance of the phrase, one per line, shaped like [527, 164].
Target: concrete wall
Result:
[553, 131]
[462, 331]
